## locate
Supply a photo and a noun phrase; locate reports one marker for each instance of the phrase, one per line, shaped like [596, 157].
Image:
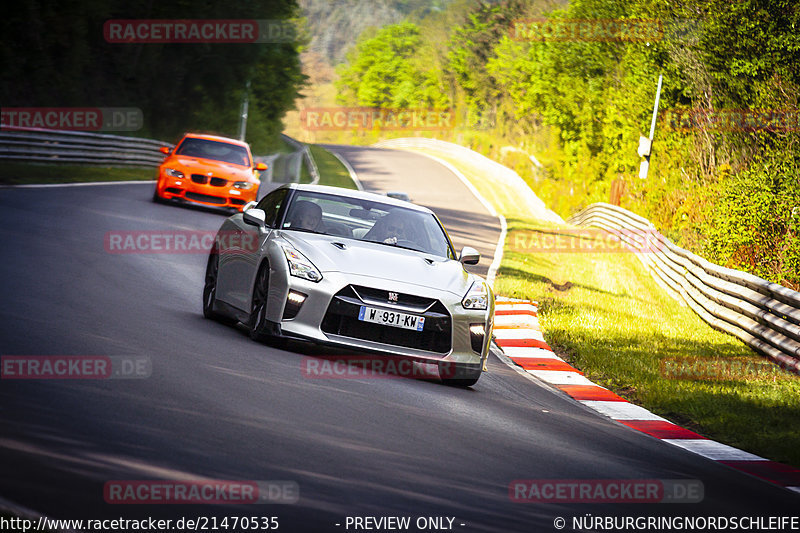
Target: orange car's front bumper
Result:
[203, 190]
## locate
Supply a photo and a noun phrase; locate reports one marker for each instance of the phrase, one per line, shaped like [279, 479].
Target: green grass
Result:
[606, 315]
[28, 173]
[332, 172]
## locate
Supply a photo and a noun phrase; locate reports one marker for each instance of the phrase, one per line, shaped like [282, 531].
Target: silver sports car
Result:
[352, 269]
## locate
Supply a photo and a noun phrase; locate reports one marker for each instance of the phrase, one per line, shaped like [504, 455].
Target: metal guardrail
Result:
[312, 165]
[77, 147]
[765, 315]
[285, 168]
[302, 153]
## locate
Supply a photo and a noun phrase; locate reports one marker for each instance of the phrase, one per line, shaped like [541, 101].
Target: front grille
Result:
[200, 178]
[341, 318]
[237, 201]
[218, 182]
[205, 198]
[417, 304]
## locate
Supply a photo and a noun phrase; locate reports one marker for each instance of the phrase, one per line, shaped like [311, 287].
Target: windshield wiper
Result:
[395, 245]
[305, 230]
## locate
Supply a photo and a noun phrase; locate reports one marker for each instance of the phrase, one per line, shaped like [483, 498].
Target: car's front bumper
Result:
[184, 189]
[327, 317]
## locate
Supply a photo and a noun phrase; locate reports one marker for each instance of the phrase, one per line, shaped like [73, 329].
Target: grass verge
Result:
[332, 172]
[29, 173]
[605, 315]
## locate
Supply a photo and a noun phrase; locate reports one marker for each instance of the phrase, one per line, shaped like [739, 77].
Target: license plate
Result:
[391, 318]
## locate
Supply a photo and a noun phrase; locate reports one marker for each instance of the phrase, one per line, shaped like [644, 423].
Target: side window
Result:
[271, 205]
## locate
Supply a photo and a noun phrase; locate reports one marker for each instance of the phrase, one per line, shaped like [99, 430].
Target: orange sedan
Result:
[208, 170]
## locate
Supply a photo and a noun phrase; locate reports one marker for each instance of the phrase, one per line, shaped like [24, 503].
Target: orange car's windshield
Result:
[220, 151]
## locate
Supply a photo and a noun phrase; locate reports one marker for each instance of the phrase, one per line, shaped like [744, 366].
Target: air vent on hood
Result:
[340, 245]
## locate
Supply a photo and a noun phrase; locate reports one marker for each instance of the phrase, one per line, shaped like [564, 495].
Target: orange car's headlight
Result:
[245, 185]
[173, 173]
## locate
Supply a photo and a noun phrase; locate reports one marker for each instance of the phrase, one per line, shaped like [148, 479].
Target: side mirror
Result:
[261, 167]
[469, 256]
[255, 217]
[249, 205]
[164, 150]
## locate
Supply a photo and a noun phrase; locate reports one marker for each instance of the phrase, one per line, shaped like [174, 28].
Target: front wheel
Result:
[210, 290]
[261, 329]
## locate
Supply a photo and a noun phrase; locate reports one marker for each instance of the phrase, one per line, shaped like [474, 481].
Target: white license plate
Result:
[391, 318]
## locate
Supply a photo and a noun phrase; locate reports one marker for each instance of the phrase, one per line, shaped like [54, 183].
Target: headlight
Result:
[174, 173]
[300, 266]
[246, 185]
[477, 296]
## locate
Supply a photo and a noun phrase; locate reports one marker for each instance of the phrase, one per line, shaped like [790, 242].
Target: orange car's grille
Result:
[205, 198]
[215, 182]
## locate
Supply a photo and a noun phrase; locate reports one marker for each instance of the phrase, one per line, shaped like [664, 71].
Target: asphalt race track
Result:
[217, 405]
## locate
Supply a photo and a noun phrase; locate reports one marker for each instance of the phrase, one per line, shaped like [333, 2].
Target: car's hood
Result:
[217, 168]
[381, 261]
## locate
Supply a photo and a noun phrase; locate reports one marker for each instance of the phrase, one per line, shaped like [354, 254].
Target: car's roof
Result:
[218, 138]
[357, 194]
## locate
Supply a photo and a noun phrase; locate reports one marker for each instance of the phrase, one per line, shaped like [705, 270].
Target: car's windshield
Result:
[367, 220]
[220, 151]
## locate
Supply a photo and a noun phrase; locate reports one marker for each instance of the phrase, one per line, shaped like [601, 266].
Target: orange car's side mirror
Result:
[261, 166]
[164, 150]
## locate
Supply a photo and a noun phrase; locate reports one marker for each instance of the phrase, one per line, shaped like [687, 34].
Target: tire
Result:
[459, 375]
[156, 198]
[210, 290]
[261, 330]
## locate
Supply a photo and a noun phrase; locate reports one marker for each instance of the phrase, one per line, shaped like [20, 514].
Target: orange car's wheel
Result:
[156, 198]
[210, 290]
